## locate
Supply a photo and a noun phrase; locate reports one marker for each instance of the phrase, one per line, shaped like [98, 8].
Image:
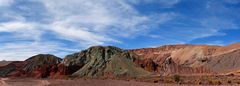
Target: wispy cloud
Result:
[210, 21]
[5, 2]
[29, 27]
[82, 22]
[161, 3]
[232, 1]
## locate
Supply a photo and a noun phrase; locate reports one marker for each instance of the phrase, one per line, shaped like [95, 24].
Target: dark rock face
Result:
[72, 63]
[147, 64]
[101, 61]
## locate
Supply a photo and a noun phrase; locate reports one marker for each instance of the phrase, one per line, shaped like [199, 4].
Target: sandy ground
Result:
[78, 82]
[23, 82]
[94, 82]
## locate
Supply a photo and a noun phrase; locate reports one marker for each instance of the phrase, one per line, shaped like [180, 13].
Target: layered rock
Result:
[12, 69]
[225, 63]
[42, 65]
[192, 59]
[39, 66]
[99, 61]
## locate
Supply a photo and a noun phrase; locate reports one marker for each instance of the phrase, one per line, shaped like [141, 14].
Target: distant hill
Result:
[40, 66]
[4, 63]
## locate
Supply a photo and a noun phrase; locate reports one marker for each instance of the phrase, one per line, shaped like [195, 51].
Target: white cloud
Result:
[21, 51]
[103, 17]
[84, 22]
[99, 21]
[21, 29]
[6, 2]
[162, 3]
[168, 3]
[14, 26]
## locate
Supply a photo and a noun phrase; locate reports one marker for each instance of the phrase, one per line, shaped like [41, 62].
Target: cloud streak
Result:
[29, 27]
[5, 2]
[81, 23]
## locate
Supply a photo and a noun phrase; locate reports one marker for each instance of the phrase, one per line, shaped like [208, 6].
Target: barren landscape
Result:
[169, 65]
[76, 82]
[119, 42]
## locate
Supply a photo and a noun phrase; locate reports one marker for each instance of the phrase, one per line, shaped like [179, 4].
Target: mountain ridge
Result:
[110, 61]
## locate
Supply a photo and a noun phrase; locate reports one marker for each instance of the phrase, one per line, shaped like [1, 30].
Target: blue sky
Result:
[61, 27]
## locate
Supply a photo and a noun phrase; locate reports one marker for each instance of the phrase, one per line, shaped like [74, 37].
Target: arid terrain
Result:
[156, 81]
[168, 65]
[76, 82]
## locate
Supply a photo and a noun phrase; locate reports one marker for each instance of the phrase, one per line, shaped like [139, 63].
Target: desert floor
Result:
[78, 82]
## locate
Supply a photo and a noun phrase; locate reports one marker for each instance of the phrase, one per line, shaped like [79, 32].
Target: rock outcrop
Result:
[99, 61]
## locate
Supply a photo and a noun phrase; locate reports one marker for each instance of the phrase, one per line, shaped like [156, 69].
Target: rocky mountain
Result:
[112, 62]
[99, 61]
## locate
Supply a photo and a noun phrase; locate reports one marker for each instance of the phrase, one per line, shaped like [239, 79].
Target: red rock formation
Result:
[147, 64]
[39, 66]
[13, 69]
[190, 59]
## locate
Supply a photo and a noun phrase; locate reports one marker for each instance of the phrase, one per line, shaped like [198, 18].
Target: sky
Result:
[61, 27]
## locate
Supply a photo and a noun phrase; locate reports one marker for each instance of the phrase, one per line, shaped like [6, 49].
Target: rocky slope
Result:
[12, 69]
[99, 61]
[42, 65]
[196, 58]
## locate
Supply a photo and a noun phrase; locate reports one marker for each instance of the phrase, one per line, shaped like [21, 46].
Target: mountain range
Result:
[113, 62]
